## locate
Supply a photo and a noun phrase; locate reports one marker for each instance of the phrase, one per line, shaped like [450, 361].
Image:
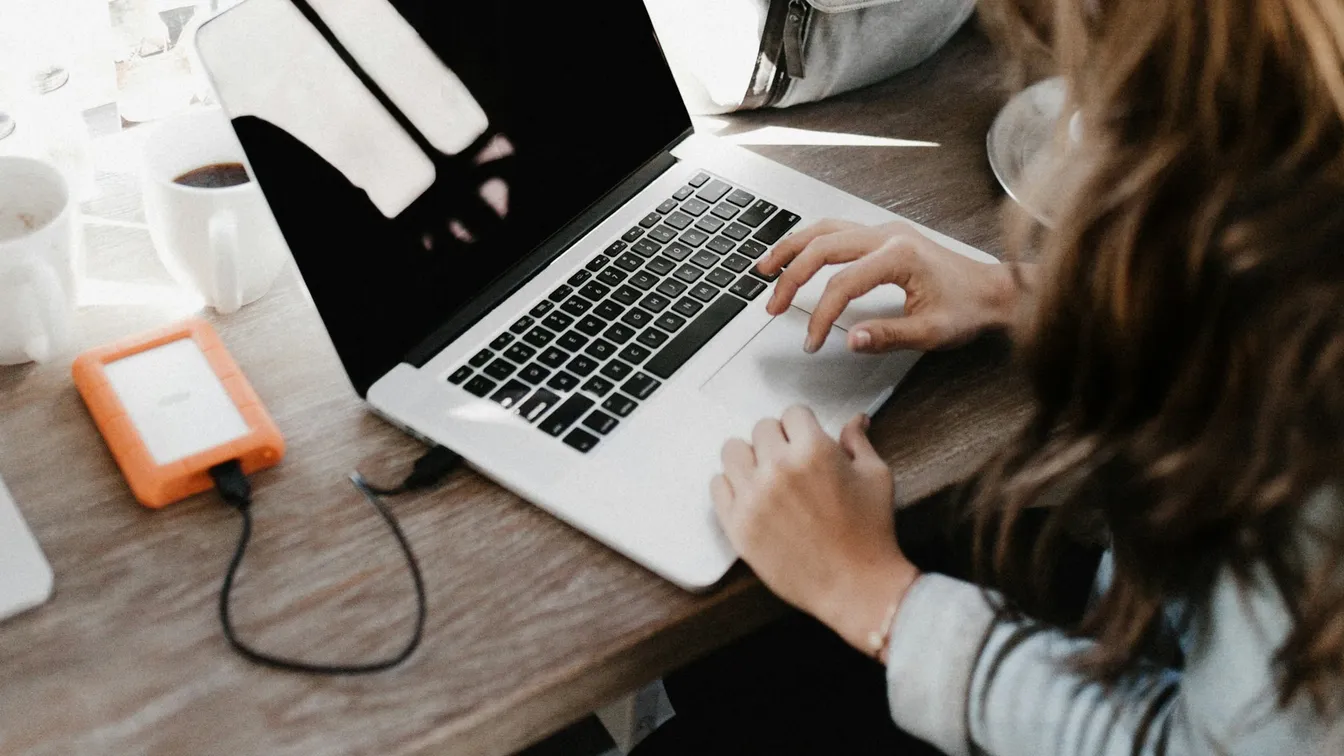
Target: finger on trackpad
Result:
[773, 372]
[885, 301]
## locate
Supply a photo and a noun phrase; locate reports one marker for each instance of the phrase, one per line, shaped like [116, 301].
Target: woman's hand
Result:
[815, 518]
[950, 298]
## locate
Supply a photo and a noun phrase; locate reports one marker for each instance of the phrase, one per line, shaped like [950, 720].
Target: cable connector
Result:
[233, 486]
[427, 471]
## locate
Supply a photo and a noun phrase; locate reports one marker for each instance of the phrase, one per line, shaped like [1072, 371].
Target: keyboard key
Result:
[689, 273]
[670, 322]
[600, 349]
[538, 337]
[501, 341]
[644, 280]
[740, 198]
[667, 206]
[581, 365]
[591, 325]
[650, 220]
[553, 357]
[714, 191]
[695, 207]
[652, 338]
[520, 353]
[736, 263]
[480, 386]
[579, 277]
[637, 318]
[511, 394]
[537, 405]
[612, 276]
[671, 288]
[629, 262]
[721, 277]
[576, 306]
[523, 324]
[757, 272]
[705, 259]
[721, 245]
[660, 266]
[694, 238]
[609, 310]
[752, 249]
[736, 231]
[485, 355]
[600, 422]
[566, 414]
[653, 303]
[626, 295]
[558, 321]
[596, 263]
[459, 375]
[778, 226]
[646, 248]
[620, 404]
[685, 192]
[688, 307]
[663, 234]
[758, 214]
[704, 292]
[748, 287]
[641, 386]
[559, 294]
[534, 374]
[679, 220]
[598, 386]
[688, 342]
[726, 211]
[499, 369]
[581, 440]
[543, 307]
[634, 353]
[630, 236]
[619, 333]
[563, 381]
[678, 251]
[709, 224]
[594, 290]
[616, 370]
[699, 179]
[616, 248]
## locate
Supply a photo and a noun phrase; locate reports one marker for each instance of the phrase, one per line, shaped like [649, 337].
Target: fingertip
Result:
[861, 340]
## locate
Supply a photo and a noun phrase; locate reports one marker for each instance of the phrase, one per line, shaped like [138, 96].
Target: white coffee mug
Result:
[223, 242]
[37, 274]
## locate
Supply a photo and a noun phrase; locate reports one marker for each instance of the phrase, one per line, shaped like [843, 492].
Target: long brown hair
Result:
[1185, 342]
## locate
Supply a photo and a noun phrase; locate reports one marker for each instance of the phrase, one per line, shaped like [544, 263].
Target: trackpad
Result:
[773, 372]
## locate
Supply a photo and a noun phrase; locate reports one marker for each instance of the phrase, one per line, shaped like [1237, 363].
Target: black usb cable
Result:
[235, 489]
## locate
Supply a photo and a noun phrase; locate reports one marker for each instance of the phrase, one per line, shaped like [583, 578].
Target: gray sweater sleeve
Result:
[951, 666]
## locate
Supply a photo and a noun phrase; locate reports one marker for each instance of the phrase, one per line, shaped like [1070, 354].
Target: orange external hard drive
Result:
[172, 404]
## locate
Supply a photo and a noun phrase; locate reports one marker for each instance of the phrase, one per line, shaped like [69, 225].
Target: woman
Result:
[1183, 337]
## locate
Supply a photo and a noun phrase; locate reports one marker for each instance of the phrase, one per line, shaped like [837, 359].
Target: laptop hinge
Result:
[559, 242]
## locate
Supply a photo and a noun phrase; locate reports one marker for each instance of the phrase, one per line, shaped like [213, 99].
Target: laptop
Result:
[25, 576]
[523, 250]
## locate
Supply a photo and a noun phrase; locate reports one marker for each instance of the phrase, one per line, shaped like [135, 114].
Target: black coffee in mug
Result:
[214, 176]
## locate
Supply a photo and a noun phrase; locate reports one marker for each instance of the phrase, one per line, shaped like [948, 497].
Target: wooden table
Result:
[531, 624]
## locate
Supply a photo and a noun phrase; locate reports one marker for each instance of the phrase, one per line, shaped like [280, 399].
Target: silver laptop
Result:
[522, 250]
[25, 576]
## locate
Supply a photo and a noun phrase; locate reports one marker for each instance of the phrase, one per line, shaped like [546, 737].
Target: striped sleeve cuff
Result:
[935, 642]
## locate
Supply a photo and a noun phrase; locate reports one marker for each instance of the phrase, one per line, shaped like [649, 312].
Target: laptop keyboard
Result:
[583, 358]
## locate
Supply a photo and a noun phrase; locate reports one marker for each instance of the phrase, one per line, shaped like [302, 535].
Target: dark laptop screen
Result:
[405, 184]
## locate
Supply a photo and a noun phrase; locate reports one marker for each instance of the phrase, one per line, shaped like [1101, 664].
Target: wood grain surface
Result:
[531, 624]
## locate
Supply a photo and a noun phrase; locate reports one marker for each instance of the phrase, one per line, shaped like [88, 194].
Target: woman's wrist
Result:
[1003, 292]
[863, 610]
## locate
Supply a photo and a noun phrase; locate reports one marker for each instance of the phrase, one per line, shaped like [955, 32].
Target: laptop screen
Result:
[413, 151]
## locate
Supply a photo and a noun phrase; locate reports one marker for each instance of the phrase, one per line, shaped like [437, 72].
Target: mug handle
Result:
[224, 253]
[45, 288]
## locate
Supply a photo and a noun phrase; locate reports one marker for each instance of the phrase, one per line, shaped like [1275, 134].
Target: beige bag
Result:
[740, 54]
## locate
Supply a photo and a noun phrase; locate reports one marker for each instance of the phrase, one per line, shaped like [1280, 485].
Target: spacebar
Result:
[696, 335]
